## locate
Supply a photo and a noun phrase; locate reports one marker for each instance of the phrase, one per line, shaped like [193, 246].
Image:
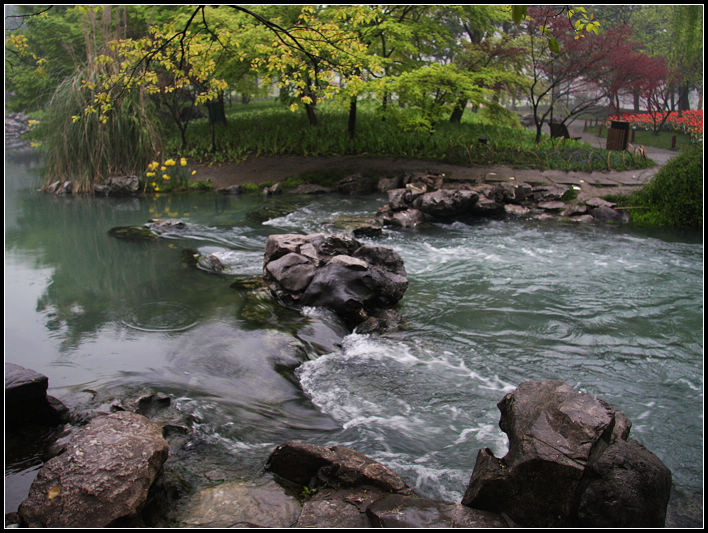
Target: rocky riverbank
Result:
[570, 464]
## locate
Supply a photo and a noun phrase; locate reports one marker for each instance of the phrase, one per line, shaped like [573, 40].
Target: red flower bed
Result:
[689, 122]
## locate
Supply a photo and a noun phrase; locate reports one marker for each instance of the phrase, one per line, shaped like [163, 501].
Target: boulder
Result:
[608, 214]
[336, 272]
[356, 184]
[565, 465]
[312, 465]
[346, 489]
[102, 478]
[447, 204]
[119, 186]
[26, 400]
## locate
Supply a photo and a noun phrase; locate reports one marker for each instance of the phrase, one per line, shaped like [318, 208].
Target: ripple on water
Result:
[160, 316]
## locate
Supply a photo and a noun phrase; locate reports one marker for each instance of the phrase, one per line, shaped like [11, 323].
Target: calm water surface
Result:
[610, 311]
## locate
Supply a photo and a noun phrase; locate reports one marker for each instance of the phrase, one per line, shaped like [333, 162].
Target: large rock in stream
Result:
[102, 478]
[350, 490]
[569, 464]
[360, 283]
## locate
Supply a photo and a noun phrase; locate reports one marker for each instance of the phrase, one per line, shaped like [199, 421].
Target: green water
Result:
[610, 311]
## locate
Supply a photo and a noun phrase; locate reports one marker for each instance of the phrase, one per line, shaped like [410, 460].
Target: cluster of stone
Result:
[431, 198]
[570, 464]
[360, 283]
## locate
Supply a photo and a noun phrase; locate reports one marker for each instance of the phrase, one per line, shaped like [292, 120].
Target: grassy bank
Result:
[268, 129]
[674, 197]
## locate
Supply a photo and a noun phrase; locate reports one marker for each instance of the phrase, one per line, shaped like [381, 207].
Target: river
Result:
[612, 311]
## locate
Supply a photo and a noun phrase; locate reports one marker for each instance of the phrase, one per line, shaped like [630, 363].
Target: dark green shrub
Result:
[674, 197]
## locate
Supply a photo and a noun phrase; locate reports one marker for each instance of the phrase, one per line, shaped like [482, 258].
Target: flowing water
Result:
[610, 311]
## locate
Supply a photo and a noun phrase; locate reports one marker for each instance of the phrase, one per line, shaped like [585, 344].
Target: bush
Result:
[86, 150]
[674, 197]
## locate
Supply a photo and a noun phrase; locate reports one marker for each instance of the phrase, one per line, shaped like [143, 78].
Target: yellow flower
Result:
[163, 168]
[157, 188]
[149, 174]
[170, 163]
[154, 185]
[165, 177]
[194, 172]
[183, 162]
[153, 165]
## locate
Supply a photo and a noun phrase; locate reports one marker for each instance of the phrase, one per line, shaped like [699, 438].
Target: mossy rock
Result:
[133, 233]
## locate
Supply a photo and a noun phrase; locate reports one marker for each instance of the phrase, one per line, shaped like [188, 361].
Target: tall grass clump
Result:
[674, 196]
[86, 148]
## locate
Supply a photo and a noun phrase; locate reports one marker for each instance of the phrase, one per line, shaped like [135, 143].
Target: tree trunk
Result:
[351, 125]
[456, 116]
[311, 116]
[683, 103]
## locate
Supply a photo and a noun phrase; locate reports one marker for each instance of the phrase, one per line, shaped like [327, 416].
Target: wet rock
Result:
[358, 226]
[356, 184]
[232, 190]
[582, 219]
[516, 210]
[627, 486]
[599, 202]
[447, 204]
[387, 184]
[343, 508]
[556, 473]
[272, 190]
[118, 186]
[313, 465]
[487, 208]
[607, 214]
[552, 206]
[336, 272]
[408, 218]
[103, 477]
[210, 263]
[548, 193]
[311, 188]
[261, 504]
[574, 210]
[26, 399]
[133, 233]
[401, 511]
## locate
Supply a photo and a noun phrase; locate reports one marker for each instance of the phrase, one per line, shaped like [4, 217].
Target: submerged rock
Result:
[569, 464]
[103, 477]
[239, 504]
[401, 511]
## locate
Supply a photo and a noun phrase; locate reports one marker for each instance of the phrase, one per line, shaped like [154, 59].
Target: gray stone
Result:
[263, 504]
[103, 476]
[607, 214]
[293, 272]
[627, 486]
[447, 203]
[313, 465]
[403, 511]
[335, 272]
[568, 464]
[26, 399]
